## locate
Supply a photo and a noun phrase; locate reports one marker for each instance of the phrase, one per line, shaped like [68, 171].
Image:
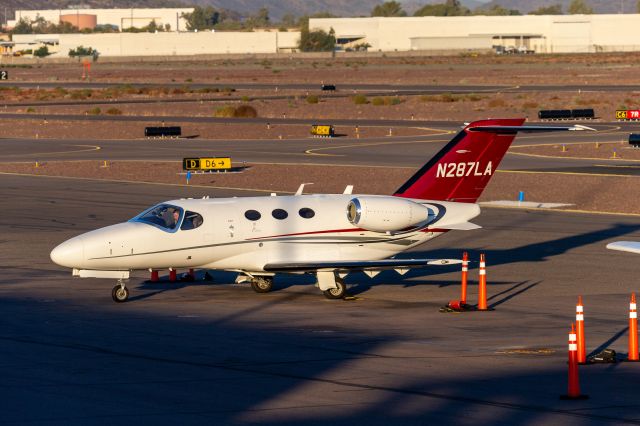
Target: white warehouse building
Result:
[542, 34]
[163, 43]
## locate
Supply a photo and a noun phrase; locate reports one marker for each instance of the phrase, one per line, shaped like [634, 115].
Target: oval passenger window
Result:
[279, 214]
[306, 213]
[252, 215]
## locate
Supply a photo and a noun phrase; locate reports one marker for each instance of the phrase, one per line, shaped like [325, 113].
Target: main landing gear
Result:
[338, 292]
[120, 293]
[262, 284]
[331, 284]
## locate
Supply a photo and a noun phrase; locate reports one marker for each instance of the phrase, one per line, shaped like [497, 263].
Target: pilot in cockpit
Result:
[176, 218]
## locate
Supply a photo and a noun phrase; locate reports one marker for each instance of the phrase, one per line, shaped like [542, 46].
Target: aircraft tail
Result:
[463, 168]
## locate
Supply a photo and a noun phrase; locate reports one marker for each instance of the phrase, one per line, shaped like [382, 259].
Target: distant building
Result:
[162, 43]
[120, 18]
[542, 34]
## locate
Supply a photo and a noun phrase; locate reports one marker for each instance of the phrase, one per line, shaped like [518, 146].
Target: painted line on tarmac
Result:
[145, 182]
[552, 172]
[87, 149]
[578, 211]
[313, 151]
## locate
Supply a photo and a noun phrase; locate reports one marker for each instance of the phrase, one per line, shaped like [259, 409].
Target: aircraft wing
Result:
[630, 246]
[358, 265]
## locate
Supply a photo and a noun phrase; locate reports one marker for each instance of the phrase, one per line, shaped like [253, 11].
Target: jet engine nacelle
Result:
[387, 214]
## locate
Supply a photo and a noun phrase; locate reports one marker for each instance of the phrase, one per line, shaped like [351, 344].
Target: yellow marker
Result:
[390, 132]
[597, 145]
[37, 165]
[564, 148]
[615, 154]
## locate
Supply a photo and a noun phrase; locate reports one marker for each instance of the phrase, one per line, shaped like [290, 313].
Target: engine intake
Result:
[387, 214]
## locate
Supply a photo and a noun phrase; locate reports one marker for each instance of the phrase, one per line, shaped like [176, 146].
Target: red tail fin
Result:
[463, 168]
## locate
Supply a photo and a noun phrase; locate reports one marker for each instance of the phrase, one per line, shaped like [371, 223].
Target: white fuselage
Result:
[226, 239]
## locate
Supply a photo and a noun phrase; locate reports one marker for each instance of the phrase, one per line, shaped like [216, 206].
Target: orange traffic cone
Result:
[458, 305]
[573, 389]
[465, 272]
[633, 329]
[582, 352]
[482, 285]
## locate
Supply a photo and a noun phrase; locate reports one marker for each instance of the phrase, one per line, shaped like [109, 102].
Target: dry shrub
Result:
[114, 111]
[225, 111]
[497, 103]
[360, 100]
[530, 105]
[245, 111]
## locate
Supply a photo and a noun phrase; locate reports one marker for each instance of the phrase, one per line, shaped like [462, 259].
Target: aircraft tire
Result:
[262, 284]
[336, 293]
[119, 294]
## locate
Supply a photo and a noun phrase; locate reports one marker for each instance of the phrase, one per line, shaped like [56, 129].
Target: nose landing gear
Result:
[120, 293]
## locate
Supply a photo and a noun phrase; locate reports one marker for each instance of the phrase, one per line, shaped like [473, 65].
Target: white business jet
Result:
[329, 235]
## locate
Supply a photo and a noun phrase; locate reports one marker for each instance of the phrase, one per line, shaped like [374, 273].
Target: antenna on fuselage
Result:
[348, 189]
[301, 188]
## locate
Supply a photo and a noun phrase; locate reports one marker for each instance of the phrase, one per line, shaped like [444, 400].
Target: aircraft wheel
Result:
[262, 284]
[119, 294]
[336, 293]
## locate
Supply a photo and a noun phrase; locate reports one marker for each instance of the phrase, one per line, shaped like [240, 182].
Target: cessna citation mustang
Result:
[325, 235]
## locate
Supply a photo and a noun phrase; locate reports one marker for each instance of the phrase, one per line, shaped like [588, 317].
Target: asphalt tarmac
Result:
[391, 151]
[218, 353]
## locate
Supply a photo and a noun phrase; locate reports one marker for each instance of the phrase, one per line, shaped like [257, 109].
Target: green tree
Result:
[41, 52]
[496, 10]
[288, 20]
[317, 40]
[202, 18]
[449, 8]
[548, 10]
[260, 19]
[388, 9]
[578, 7]
[22, 27]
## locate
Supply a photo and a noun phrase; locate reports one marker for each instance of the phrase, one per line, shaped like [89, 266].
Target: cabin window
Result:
[252, 215]
[163, 216]
[306, 213]
[279, 214]
[191, 220]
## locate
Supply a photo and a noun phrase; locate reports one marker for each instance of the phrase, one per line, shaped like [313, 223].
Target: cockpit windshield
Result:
[163, 216]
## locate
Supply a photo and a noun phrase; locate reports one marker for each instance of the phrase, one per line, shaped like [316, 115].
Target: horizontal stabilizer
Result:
[528, 129]
[630, 246]
[357, 265]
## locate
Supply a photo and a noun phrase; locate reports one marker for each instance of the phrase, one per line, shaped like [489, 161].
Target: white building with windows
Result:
[542, 34]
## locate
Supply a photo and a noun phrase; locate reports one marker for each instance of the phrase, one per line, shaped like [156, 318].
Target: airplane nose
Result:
[69, 254]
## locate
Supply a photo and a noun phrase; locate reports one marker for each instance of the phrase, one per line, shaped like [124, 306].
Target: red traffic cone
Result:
[172, 275]
[154, 276]
[573, 389]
